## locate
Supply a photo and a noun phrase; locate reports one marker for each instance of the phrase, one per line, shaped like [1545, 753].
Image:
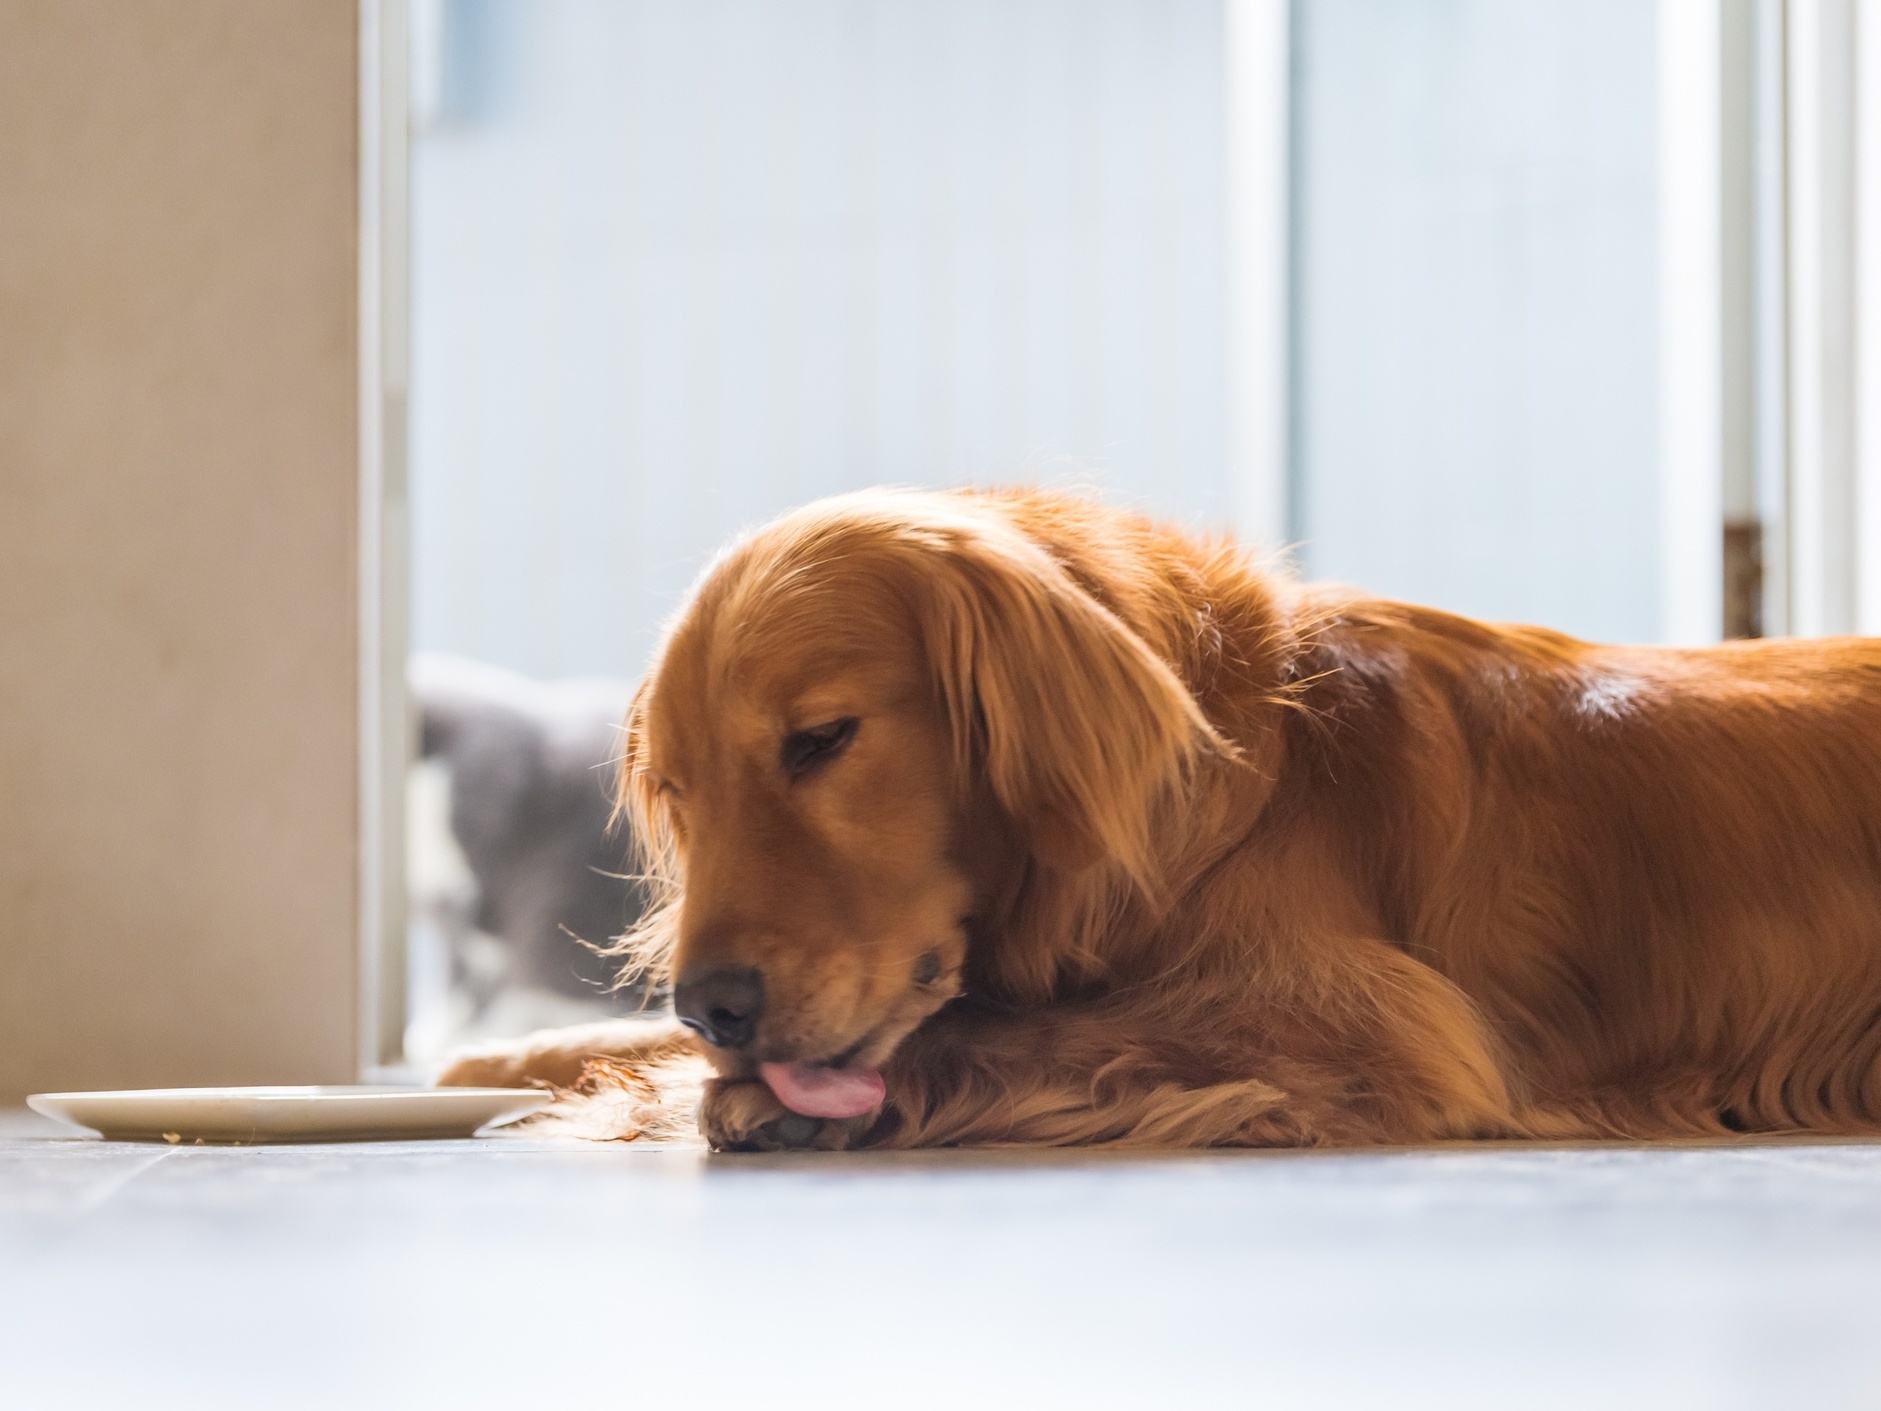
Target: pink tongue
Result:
[824, 1092]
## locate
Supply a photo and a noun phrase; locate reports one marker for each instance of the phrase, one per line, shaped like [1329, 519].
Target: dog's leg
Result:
[1380, 1050]
[1143, 1089]
[556, 1056]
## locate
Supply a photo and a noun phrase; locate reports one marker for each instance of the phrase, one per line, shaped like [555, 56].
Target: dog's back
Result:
[1657, 871]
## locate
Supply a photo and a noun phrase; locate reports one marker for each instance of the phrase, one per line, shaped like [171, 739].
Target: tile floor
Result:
[511, 1272]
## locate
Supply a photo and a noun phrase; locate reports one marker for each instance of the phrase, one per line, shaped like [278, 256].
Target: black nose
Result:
[721, 1006]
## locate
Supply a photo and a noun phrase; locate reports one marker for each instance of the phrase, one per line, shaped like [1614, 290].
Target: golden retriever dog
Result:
[1012, 818]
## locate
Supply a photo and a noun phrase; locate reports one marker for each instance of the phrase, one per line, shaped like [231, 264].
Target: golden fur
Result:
[1202, 856]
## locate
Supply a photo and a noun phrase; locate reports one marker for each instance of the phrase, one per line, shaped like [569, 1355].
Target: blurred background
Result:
[474, 326]
[1420, 291]
[1527, 308]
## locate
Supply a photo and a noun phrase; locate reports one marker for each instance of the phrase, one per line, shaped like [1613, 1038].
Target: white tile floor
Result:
[510, 1272]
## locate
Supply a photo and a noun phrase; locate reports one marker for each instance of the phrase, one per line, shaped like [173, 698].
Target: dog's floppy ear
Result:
[1080, 728]
[635, 796]
[647, 947]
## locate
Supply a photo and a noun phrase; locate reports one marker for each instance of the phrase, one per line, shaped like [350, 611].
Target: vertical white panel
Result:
[1255, 44]
[1821, 317]
[1475, 306]
[384, 359]
[1867, 337]
[1690, 330]
[1770, 319]
[1737, 232]
[1803, 45]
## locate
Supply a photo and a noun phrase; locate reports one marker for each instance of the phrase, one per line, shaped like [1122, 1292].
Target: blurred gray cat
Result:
[531, 771]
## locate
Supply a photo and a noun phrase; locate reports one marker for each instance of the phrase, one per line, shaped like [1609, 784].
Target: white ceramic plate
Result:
[289, 1114]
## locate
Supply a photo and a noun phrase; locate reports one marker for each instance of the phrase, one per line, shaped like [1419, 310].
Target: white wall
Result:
[678, 266]
[1476, 304]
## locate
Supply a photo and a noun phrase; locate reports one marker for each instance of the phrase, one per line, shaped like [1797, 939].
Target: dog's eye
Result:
[804, 750]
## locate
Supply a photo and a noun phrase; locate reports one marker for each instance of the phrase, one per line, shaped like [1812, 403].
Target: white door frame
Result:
[1831, 112]
[384, 523]
[1257, 60]
[1770, 293]
[1691, 328]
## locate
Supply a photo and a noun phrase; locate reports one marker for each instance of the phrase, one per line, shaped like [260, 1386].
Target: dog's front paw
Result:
[509, 1065]
[745, 1115]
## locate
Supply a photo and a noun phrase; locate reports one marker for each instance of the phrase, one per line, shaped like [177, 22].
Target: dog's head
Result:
[875, 721]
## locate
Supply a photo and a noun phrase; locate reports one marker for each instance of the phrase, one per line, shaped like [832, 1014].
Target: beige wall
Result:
[178, 391]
